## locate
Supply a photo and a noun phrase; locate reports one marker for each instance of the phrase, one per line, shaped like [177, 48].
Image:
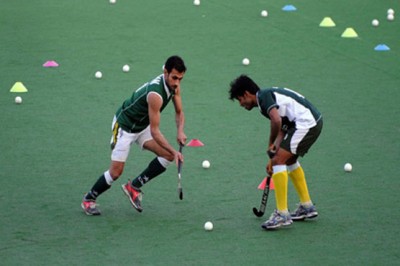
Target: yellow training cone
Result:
[349, 33]
[18, 87]
[327, 22]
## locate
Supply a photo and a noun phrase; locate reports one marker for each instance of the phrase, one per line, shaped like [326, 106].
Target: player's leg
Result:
[120, 144]
[281, 216]
[297, 176]
[303, 140]
[306, 208]
[156, 167]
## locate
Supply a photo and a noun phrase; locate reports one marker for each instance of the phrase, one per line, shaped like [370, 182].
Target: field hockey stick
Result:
[264, 199]
[180, 192]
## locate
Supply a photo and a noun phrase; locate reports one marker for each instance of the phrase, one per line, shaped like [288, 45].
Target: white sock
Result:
[108, 177]
[164, 162]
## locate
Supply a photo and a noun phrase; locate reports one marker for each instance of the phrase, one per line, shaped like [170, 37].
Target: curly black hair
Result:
[240, 85]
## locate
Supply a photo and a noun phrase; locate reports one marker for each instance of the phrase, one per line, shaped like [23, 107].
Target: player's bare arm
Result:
[276, 124]
[155, 103]
[179, 117]
[279, 139]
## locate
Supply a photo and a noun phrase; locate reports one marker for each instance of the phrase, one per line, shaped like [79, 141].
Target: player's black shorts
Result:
[299, 141]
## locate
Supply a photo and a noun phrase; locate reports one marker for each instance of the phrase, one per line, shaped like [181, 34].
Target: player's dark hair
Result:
[175, 62]
[240, 85]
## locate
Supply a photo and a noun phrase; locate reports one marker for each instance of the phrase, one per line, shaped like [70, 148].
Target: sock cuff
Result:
[294, 166]
[279, 168]
[307, 204]
[164, 162]
[108, 178]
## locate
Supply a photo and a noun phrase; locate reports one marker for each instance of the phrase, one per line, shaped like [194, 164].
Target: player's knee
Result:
[116, 171]
[169, 157]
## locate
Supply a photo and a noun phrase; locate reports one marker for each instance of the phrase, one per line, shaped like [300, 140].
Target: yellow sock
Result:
[281, 189]
[299, 181]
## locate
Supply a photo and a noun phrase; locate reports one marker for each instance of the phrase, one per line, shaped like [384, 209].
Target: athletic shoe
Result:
[276, 220]
[90, 207]
[302, 212]
[134, 194]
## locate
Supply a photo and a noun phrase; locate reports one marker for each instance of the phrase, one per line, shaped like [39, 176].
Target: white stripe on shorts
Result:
[297, 137]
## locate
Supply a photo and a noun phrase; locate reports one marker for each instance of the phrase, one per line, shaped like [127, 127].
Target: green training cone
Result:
[18, 87]
[327, 22]
[349, 33]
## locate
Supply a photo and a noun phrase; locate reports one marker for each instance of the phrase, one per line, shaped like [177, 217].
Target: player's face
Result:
[173, 79]
[246, 101]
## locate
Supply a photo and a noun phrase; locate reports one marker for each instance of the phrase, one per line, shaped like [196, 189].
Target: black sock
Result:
[99, 187]
[154, 169]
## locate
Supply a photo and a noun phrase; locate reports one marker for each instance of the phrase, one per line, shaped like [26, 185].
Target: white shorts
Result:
[121, 141]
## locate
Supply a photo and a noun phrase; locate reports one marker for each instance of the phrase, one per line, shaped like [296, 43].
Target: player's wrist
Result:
[271, 151]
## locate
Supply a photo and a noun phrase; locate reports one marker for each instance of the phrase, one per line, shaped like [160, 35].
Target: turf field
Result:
[54, 145]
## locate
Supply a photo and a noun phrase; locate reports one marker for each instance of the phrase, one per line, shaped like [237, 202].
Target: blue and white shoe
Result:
[302, 212]
[276, 220]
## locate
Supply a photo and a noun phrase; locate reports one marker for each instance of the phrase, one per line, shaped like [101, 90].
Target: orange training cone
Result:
[261, 186]
[195, 143]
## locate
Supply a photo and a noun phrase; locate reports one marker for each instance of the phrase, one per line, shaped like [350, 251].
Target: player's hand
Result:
[269, 168]
[181, 138]
[178, 157]
[271, 151]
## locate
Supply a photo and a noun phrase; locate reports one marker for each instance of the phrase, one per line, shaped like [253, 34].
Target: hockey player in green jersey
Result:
[295, 124]
[138, 121]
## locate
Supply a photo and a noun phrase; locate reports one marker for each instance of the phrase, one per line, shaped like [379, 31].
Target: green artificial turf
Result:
[54, 145]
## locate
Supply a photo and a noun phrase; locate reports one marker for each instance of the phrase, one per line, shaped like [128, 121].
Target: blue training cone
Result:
[382, 47]
[289, 8]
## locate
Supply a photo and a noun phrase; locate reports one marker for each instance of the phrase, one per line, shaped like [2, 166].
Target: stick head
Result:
[181, 195]
[257, 212]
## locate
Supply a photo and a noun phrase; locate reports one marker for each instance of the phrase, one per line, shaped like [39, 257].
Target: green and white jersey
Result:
[293, 108]
[133, 115]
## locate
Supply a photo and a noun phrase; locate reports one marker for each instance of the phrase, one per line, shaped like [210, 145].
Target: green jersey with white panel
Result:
[133, 115]
[294, 109]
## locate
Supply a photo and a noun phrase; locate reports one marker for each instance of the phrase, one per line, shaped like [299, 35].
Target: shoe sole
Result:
[309, 216]
[276, 226]
[130, 199]
[89, 213]
[312, 215]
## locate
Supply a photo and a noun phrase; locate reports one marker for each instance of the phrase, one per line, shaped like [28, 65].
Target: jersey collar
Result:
[258, 103]
[166, 88]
